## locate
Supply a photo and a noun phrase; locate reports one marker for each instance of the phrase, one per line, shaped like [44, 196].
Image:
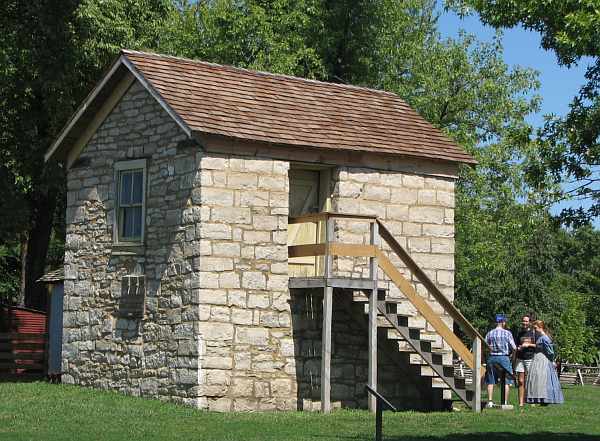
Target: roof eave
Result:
[58, 146]
[120, 67]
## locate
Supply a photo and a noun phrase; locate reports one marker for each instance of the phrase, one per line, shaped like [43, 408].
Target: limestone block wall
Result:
[155, 355]
[247, 355]
[419, 212]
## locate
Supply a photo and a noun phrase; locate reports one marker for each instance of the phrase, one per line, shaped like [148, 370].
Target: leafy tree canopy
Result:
[569, 147]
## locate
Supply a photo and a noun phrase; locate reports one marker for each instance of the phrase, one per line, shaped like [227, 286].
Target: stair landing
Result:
[333, 282]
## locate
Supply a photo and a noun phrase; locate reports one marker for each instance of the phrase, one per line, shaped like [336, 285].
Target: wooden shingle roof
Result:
[281, 109]
[207, 98]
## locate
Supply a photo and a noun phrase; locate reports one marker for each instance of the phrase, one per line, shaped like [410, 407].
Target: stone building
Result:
[195, 273]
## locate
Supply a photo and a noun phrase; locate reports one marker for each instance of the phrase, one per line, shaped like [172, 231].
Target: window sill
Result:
[128, 249]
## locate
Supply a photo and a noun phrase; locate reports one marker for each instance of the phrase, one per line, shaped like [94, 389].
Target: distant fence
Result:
[23, 343]
[579, 374]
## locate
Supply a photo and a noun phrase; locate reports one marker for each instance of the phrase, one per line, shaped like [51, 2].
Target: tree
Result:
[52, 54]
[569, 147]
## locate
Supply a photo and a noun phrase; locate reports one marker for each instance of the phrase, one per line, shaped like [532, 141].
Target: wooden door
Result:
[304, 199]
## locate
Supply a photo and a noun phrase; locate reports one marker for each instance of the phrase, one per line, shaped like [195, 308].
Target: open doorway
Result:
[310, 192]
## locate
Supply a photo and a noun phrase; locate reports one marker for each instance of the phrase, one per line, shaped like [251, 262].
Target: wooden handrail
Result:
[333, 249]
[456, 315]
[423, 307]
[359, 250]
[324, 215]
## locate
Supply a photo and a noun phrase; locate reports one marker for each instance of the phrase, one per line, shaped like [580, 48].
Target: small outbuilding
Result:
[240, 240]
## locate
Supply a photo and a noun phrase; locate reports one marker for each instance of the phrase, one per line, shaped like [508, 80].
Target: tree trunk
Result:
[37, 249]
[23, 255]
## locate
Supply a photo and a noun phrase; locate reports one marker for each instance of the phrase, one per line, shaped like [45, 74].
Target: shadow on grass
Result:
[485, 436]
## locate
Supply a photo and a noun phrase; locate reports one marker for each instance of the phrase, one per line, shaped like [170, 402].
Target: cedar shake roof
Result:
[208, 98]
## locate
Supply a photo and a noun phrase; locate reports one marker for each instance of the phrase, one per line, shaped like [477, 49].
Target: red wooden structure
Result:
[23, 342]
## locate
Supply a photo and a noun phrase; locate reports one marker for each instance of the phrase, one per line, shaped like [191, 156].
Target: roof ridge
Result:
[262, 73]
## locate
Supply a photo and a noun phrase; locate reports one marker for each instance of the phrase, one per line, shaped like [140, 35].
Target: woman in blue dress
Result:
[543, 386]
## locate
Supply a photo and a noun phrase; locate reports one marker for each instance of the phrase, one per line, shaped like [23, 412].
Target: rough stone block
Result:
[419, 245]
[252, 336]
[272, 183]
[242, 387]
[254, 237]
[442, 245]
[438, 230]
[271, 252]
[226, 249]
[213, 196]
[214, 163]
[445, 199]
[269, 223]
[277, 282]
[253, 280]
[231, 215]
[242, 181]
[217, 264]
[216, 331]
[229, 280]
[426, 197]
[376, 193]
[413, 181]
[397, 212]
[254, 198]
[430, 215]
[241, 316]
[260, 166]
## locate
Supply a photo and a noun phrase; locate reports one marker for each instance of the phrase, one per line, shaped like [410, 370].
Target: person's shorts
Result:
[494, 374]
[522, 365]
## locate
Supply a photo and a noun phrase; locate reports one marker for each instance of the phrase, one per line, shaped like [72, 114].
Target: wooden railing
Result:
[378, 230]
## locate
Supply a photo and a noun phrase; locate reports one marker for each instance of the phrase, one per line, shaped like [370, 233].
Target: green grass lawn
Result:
[45, 412]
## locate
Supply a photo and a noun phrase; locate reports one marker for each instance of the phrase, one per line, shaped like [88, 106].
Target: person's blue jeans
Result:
[493, 373]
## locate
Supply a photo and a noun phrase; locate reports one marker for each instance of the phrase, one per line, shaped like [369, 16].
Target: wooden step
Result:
[431, 363]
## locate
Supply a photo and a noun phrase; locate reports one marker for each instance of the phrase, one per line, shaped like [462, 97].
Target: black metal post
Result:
[378, 419]
[380, 402]
[503, 387]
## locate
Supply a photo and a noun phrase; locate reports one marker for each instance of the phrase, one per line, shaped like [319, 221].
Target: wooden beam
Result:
[318, 249]
[326, 350]
[357, 217]
[372, 374]
[425, 310]
[328, 261]
[306, 218]
[317, 217]
[306, 282]
[352, 250]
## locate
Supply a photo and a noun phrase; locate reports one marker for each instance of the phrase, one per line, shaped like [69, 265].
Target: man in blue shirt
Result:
[501, 344]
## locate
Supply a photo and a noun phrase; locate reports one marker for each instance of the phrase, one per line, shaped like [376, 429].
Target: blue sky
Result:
[522, 48]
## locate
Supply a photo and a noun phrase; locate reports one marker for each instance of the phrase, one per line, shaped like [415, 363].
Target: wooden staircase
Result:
[434, 360]
[383, 312]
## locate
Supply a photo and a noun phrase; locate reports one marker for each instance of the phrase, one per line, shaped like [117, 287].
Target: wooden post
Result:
[372, 380]
[328, 239]
[326, 350]
[477, 375]
[327, 319]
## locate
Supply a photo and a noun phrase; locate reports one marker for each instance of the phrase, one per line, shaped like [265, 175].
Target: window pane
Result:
[132, 223]
[127, 224]
[125, 198]
[137, 187]
[137, 221]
